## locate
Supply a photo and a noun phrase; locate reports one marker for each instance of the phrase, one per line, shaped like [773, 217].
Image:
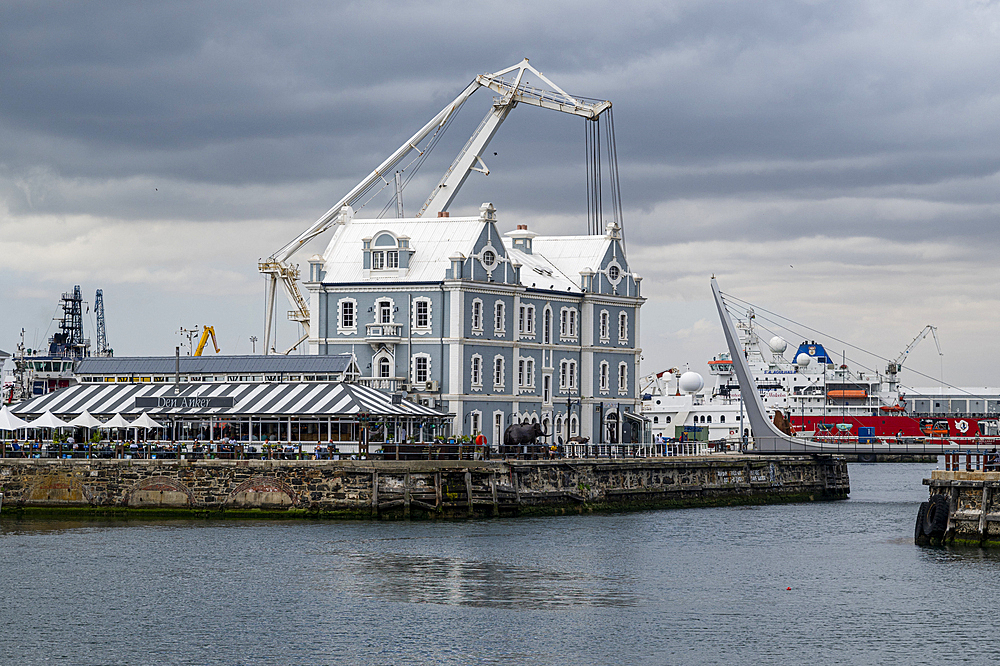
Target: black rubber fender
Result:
[936, 517]
[918, 531]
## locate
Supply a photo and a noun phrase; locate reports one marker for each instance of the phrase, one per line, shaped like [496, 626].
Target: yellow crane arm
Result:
[209, 330]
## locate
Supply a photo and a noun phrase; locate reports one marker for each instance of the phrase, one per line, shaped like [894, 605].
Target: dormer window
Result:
[387, 252]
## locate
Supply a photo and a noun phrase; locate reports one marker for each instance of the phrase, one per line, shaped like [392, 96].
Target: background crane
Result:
[897, 364]
[512, 91]
[102, 337]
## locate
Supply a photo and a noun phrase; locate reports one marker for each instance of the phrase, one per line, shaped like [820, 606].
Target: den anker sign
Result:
[184, 402]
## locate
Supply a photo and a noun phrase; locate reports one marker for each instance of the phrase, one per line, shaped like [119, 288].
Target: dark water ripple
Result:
[703, 586]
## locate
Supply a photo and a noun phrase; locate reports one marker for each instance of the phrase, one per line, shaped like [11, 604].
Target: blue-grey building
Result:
[494, 328]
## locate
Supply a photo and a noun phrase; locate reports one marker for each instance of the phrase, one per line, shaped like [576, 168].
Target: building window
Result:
[567, 323]
[477, 316]
[722, 418]
[498, 372]
[383, 367]
[547, 388]
[347, 321]
[574, 426]
[477, 372]
[526, 372]
[489, 258]
[605, 382]
[623, 377]
[605, 326]
[421, 368]
[422, 313]
[623, 328]
[378, 261]
[477, 422]
[499, 319]
[547, 326]
[392, 259]
[384, 313]
[567, 375]
[613, 272]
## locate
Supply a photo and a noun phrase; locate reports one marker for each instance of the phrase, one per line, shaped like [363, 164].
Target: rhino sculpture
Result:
[520, 438]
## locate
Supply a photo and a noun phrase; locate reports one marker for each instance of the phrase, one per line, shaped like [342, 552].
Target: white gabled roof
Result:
[572, 254]
[540, 273]
[433, 240]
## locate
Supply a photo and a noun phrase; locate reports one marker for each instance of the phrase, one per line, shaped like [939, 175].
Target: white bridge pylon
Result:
[768, 439]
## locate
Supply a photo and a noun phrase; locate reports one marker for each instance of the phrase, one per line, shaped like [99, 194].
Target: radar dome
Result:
[691, 382]
[803, 360]
[777, 345]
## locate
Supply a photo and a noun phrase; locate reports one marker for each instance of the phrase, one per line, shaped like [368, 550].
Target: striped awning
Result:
[300, 399]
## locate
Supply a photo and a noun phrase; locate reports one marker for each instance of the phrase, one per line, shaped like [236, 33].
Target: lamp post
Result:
[253, 343]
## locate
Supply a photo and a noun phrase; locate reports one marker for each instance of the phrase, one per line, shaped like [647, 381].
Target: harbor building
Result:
[492, 328]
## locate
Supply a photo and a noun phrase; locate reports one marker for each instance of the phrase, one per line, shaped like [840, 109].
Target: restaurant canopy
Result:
[237, 399]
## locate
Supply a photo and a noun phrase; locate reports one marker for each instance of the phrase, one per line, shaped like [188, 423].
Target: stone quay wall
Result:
[417, 489]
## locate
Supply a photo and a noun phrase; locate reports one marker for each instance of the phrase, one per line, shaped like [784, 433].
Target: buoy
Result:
[788, 588]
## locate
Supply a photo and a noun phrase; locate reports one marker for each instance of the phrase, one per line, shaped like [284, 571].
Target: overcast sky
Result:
[836, 162]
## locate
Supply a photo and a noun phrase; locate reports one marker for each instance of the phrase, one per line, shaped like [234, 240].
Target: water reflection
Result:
[449, 580]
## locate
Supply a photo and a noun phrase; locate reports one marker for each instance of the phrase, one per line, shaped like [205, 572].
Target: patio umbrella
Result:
[85, 420]
[47, 420]
[144, 422]
[116, 421]
[10, 422]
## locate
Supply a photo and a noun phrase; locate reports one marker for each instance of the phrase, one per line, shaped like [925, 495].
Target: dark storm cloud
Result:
[731, 99]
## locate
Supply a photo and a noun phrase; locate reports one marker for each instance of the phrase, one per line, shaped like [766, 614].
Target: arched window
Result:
[722, 418]
[384, 367]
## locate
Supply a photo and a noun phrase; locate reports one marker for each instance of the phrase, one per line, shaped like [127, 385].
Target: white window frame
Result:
[623, 327]
[622, 378]
[477, 316]
[572, 375]
[378, 310]
[568, 322]
[475, 421]
[529, 321]
[341, 328]
[499, 319]
[547, 389]
[476, 369]
[547, 324]
[417, 327]
[413, 368]
[498, 370]
[574, 425]
[563, 372]
[391, 259]
[605, 378]
[605, 327]
[377, 369]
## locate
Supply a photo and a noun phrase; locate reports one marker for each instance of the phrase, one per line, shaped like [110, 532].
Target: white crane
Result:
[896, 365]
[278, 269]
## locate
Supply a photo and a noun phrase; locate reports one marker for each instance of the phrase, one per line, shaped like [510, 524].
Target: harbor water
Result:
[697, 586]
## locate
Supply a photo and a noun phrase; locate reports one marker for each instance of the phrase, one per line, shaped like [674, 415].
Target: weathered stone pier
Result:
[411, 489]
